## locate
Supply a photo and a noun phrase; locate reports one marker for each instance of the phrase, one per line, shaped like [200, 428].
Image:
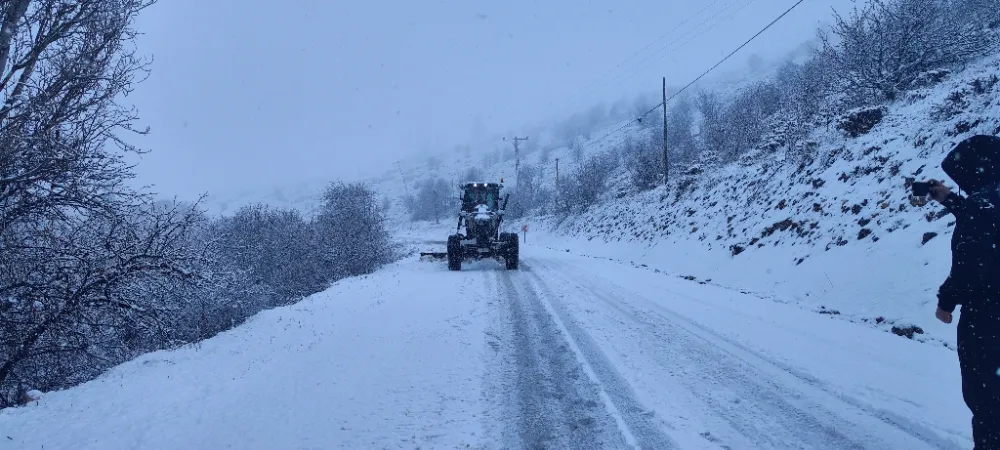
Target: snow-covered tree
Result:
[744, 119]
[351, 229]
[712, 135]
[576, 148]
[71, 290]
[386, 203]
[276, 248]
[977, 13]
[529, 194]
[882, 47]
[643, 159]
[74, 240]
[681, 142]
[434, 199]
[585, 184]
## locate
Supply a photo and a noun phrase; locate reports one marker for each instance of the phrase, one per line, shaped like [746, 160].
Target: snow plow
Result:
[481, 216]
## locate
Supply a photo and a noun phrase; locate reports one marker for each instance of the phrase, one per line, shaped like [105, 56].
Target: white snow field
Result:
[567, 352]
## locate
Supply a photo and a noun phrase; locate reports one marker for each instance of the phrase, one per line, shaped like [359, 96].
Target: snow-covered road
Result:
[731, 377]
[551, 389]
[568, 352]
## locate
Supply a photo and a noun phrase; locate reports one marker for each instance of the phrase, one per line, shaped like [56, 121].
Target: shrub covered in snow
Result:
[101, 292]
[643, 160]
[434, 199]
[351, 231]
[588, 182]
[884, 46]
[529, 194]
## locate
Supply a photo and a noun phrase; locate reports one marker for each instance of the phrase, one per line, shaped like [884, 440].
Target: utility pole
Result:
[401, 177]
[437, 205]
[557, 174]
[666, 164]
[517, 156]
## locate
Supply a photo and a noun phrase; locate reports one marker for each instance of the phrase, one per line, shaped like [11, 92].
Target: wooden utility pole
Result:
[437, 205]
[666, 163]
[557, 174]
[401, 177]
[517, 156]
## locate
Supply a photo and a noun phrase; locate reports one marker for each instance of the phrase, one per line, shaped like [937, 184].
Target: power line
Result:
[626, 125]
[651, 61]
[679, 26]
[698, 78]
[730, 55]
[658, 39]
[675, 94]
[737, 11]
[700, 26]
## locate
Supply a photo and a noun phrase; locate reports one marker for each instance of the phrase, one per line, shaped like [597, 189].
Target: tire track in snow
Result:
[897, 421]
[544, 397]
[781, 408]
[634, 420]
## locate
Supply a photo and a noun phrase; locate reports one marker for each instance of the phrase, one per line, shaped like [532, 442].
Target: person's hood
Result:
[974, 164]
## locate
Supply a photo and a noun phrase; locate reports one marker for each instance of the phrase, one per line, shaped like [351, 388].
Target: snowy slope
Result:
[835, 232]
[569, 352]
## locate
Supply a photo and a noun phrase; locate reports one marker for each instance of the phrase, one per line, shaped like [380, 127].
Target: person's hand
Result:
[939, 192]
[943, 315]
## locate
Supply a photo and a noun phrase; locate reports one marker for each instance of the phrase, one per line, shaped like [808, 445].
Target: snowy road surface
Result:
[568, 352]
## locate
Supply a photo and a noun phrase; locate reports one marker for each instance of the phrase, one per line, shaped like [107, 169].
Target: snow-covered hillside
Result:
[833, 229]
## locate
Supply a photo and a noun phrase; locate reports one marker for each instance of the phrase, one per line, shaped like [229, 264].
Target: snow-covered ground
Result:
[889, 286]
[384, 361]
[568, 352]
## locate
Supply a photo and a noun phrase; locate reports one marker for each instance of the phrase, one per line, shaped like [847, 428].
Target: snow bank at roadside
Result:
[843, 284]
[356, 366]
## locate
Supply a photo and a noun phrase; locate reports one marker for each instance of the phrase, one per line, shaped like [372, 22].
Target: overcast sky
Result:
[251, 94]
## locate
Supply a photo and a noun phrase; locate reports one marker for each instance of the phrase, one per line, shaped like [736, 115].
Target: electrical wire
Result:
[650, 62]
[692, 83]
[699, 77]
[626, 125]
[700, 30]
[658, 39]
[730, 55]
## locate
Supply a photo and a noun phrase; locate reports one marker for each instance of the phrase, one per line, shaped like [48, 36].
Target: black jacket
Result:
[974, 281]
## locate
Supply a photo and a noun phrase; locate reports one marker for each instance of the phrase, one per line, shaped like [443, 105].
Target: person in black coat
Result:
[974, 280]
